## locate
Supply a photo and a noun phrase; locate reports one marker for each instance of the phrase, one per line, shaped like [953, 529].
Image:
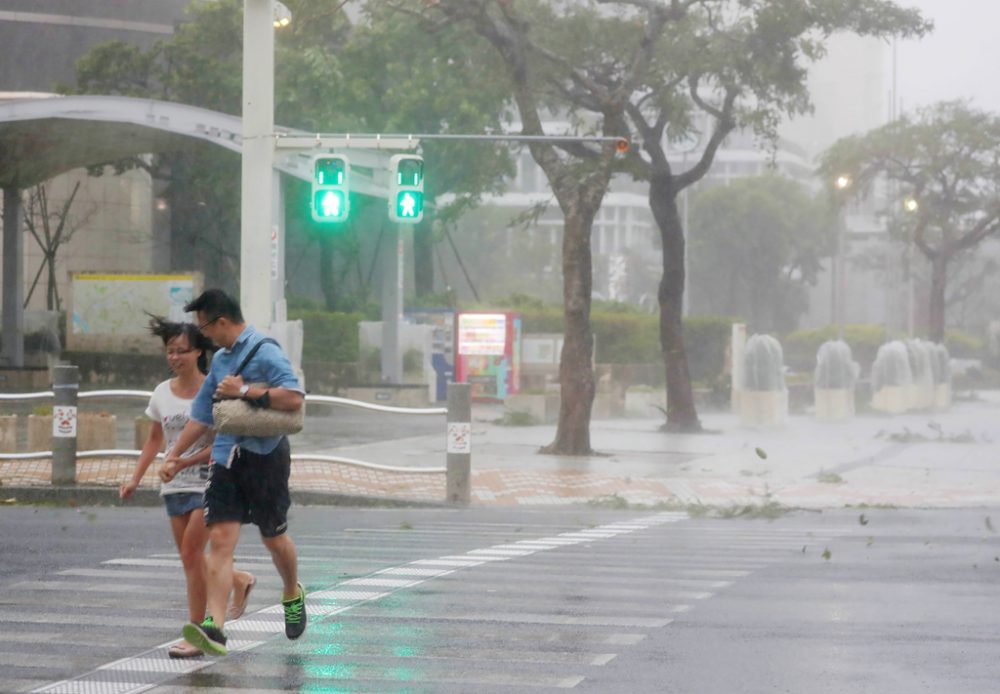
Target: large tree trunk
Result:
[576, 370]
[939, 281]
[681, 413]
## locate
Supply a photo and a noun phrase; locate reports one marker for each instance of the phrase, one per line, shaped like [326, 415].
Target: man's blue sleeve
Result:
[277, 368]
[201, 408]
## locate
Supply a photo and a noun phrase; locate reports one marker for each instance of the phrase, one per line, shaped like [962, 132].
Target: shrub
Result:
[763, 364]
[834, 366]
[329, 336]
[963, 345]
[802, 346]
[706, 341]
[891, 367]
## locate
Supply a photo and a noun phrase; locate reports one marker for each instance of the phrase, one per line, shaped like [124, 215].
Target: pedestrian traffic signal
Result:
[406, 188]
[330, 200]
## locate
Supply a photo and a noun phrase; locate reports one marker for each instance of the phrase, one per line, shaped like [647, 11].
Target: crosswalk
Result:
[444, 606]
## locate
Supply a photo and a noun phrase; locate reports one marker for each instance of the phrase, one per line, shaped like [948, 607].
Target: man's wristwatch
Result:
[244, 389]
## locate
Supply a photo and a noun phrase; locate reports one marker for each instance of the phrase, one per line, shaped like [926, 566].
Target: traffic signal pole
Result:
[392, 303]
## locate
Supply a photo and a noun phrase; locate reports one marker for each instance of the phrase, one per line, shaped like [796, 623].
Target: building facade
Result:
[113, 220]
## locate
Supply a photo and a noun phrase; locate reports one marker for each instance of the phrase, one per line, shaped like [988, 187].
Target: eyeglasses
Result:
[208, 323]
[179, 352]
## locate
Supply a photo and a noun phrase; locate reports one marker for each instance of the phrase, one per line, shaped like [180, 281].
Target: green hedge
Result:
[706, 340]
[622, 337]
[962, 345]
[634, 338]
[329, 336]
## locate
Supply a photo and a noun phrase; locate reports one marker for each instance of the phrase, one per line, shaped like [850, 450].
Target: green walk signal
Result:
[409, 206]
[406, 188]
[331, 201]
[329, 206]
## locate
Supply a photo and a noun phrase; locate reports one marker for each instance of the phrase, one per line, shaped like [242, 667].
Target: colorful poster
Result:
[482, 334]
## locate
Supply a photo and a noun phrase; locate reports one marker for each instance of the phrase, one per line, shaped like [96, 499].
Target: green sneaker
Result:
[206, 636]
[295, 614]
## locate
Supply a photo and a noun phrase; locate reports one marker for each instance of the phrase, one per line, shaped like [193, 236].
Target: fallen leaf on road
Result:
[862, 519]
[827, 554]
[761, 453]
[989, 525]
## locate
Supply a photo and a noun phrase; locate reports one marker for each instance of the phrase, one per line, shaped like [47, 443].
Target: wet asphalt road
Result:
[511, 600]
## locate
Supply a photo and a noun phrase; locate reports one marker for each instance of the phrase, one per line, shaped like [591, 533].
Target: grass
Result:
[517, 418]
[829, 478]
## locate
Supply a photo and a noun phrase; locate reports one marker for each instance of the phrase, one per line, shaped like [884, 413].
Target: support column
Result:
[256, 213]
[13, 279]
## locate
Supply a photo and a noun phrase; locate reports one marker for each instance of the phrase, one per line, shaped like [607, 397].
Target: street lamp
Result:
[842, 183]
[282, 15]
[911, 205]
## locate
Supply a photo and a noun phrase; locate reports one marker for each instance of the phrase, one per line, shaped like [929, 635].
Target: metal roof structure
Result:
[43, 137]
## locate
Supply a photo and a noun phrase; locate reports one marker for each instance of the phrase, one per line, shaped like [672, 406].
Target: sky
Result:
[960, 59]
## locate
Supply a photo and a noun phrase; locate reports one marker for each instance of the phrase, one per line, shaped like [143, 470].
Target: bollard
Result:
[459, 464]
[65, 386]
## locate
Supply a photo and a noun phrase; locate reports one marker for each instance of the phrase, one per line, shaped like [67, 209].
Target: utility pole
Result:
[257, 206]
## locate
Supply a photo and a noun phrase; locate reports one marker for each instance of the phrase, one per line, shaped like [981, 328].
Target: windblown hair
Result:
[167, 330]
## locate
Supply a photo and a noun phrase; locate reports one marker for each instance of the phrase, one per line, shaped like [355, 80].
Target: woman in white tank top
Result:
[169, 408]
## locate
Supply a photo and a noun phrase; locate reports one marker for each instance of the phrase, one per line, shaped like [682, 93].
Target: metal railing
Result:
[66, 392]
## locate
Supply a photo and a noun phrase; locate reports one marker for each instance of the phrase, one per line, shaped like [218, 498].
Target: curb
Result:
[108, 496]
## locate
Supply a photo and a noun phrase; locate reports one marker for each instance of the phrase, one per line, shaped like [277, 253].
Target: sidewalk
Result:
[905, 460]
[947, 459]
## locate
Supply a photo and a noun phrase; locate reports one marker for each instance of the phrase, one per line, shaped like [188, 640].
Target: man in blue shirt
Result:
[248, 481]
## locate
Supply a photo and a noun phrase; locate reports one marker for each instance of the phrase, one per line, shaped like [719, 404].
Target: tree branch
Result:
[724, 124]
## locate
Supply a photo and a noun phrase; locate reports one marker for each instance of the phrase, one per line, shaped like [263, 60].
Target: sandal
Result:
[184, 650]
[239, 604]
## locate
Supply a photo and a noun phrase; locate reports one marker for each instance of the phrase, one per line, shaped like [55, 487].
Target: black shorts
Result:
[253, 490]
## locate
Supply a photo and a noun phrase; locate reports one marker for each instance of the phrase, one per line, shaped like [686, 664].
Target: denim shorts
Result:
[183, 503]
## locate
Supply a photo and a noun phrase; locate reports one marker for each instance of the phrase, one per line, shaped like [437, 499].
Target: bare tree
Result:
[51, 229]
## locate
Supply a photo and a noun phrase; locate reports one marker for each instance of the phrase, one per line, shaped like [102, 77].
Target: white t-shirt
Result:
[173, 413]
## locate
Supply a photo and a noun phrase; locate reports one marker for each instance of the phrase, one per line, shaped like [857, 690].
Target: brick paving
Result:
[489, 487]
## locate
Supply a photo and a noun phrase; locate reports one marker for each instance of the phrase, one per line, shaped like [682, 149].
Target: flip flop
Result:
[239, 605]
[184, 650]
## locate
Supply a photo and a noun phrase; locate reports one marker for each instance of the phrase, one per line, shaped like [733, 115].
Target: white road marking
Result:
[154, 661]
